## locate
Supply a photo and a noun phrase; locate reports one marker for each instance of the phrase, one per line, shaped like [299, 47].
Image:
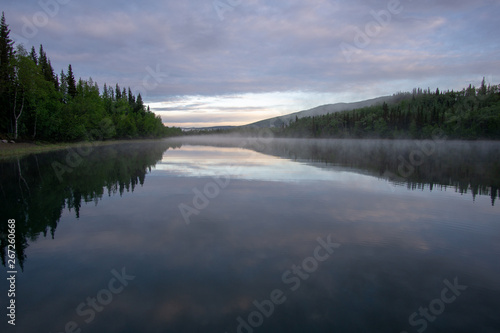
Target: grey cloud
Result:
[262, 46]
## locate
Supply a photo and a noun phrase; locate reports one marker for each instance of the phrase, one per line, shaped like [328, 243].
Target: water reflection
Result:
[465, 166]
[397, 246]
[33, 193]
[34, 190]
[237, 163]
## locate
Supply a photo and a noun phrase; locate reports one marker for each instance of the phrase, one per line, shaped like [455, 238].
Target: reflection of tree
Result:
[466, 166]
[31, 193]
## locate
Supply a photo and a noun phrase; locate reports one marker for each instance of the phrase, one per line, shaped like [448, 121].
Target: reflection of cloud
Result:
[237, 250]
[237, 163]
[396, 248]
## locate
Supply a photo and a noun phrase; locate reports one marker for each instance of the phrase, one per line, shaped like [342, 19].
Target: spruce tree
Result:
[6, 73]
[42, 59]
[118, 92]
[49, 73]
[482, 90]
[139, 105]
[6, 52]
[105, 94]
[33, 55]
[131, 98]
[70, 79]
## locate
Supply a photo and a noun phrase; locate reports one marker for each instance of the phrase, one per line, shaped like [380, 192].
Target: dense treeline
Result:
[468, 114]
[37, 104]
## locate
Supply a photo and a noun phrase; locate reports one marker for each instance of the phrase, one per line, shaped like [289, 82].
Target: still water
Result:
[253, 235]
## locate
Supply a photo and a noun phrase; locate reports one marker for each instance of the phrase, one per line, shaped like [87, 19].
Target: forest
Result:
[38, 105]
[472, 113]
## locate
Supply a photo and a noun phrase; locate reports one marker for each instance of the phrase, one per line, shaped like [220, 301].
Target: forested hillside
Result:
[38, 104]
[473, 113]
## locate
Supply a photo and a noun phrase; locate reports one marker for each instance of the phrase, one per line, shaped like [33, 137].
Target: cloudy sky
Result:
[231, 62]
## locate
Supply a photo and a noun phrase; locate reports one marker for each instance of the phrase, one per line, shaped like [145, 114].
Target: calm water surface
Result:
[255, 235]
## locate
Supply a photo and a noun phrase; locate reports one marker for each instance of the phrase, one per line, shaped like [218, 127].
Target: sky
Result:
[201, 63]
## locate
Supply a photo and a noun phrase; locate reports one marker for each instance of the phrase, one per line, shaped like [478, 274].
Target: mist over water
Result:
[466, 166]
[236, 234]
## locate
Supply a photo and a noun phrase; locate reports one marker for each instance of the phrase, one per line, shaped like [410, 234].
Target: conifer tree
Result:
[482, 90]
[42, 58]
[105, 94]
[139, 105]
[131, 98]
[6, 73]
[118, 92]
[63, 87]
[70, 78]
[33, 55]
[49, 73]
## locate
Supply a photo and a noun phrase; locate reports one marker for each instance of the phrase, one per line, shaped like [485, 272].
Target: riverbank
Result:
[12, 150]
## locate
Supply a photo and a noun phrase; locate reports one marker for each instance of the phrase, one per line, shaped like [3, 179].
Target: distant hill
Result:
[214, 128]
[319, 111]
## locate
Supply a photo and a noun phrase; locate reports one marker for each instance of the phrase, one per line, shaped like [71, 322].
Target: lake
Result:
[218, 234]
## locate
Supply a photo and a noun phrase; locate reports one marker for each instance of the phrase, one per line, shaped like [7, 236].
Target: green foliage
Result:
[36, 104]
[469, 114]
[70, 81]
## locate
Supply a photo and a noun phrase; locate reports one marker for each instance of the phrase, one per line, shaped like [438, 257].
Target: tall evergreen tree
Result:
[33, 55]
[70, 79]
[131, 98]
[63, 87]
[44, 65]
[482, 90]
[6, 74]
[56, 82]
[118, 92]
[42, 58]
[139, 105]
[105, 94]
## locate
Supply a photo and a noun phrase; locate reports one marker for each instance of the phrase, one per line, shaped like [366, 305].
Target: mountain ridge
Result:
[317, 111]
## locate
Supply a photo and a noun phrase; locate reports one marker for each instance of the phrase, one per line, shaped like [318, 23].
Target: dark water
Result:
[255, 235]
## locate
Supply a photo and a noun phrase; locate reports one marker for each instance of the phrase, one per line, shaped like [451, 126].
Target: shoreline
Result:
[21, 149]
